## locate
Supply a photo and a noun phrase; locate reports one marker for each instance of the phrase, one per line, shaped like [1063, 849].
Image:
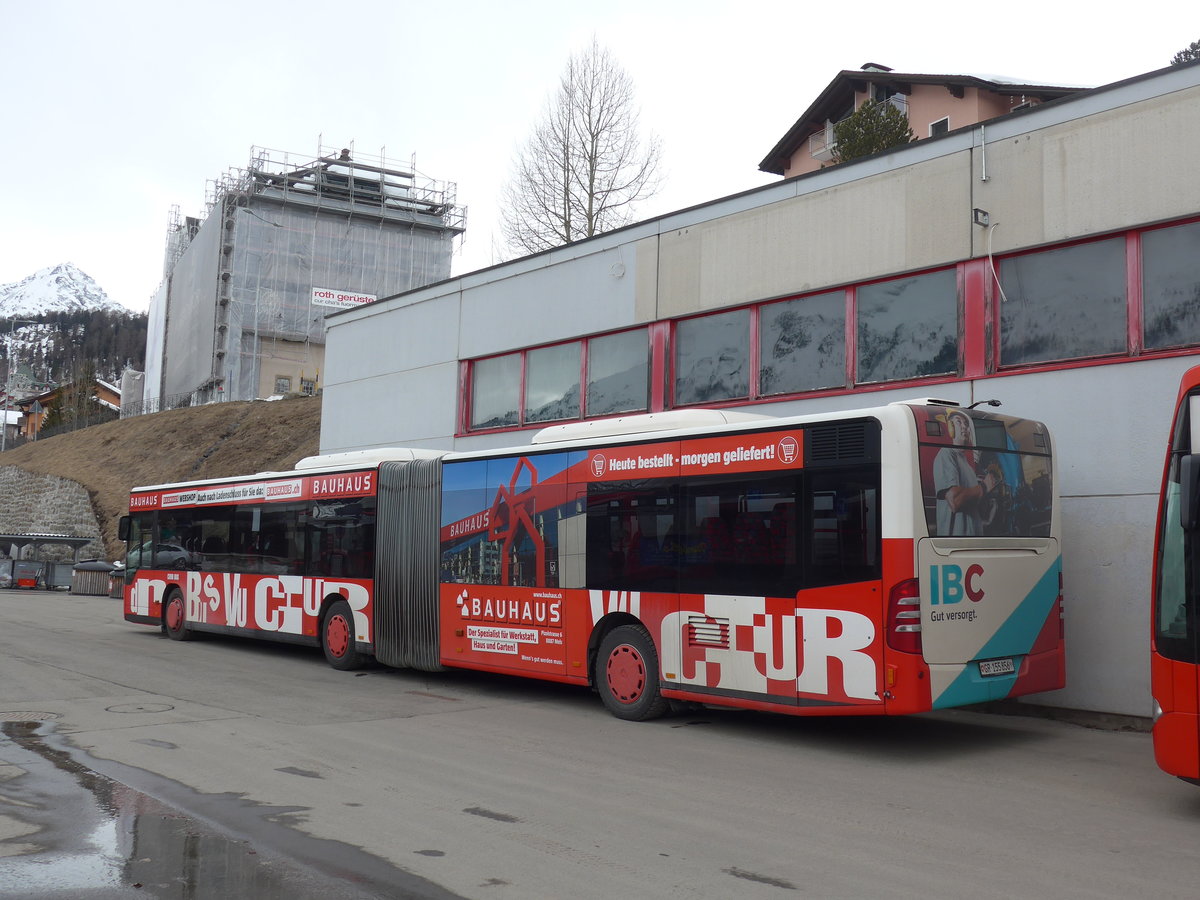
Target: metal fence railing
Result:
[158, 404]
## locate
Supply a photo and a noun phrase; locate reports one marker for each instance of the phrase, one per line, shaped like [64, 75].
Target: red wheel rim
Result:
[175, 614]
[337, 635]
[626, 673]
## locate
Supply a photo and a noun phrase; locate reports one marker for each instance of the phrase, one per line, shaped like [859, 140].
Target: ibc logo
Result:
[949, 584]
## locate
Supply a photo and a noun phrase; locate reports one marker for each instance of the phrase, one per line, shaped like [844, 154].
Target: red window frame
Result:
[979, 299]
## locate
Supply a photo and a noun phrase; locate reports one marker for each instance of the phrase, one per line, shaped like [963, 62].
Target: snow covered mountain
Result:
[59, 322]
[63, 289]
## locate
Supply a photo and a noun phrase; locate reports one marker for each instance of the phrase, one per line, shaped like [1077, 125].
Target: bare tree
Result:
[585, 165]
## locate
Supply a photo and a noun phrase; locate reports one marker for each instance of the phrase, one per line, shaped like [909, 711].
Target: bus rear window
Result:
[984, 475]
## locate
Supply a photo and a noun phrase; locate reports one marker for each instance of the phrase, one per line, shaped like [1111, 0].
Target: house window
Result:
[308, 387]
[802, 344]
[886, 93]
[712, 358]
[941, 126]
[496, 391]
[1171, 286]
[908, 327]
[1063, 304]
[283, 384]
[552, 383]
[882, 93]
[618, 378]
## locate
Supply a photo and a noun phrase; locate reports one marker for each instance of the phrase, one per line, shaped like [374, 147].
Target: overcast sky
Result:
[113, 112]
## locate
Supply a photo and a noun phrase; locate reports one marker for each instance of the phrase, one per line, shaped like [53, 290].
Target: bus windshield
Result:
[984, 475]
[1174, 616]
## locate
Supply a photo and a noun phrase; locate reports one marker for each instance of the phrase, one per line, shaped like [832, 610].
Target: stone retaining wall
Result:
[47, 504]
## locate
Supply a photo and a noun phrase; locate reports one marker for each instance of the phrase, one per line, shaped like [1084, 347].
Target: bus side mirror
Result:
[1189, 491]
[123, 528]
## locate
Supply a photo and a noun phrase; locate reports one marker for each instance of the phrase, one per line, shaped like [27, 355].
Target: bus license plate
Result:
[996, 667]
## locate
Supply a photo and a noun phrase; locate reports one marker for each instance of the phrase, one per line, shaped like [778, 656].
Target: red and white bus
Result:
[1175, 640]
[881, 561]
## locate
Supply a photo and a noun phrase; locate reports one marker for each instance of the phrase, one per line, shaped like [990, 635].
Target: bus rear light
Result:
[904, 617]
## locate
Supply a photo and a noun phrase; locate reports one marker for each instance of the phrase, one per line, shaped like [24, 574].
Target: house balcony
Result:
[822, 144]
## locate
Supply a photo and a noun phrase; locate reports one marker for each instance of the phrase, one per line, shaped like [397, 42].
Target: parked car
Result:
[165, 556]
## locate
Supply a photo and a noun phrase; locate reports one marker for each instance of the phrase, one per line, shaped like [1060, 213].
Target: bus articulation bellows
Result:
[879, 561]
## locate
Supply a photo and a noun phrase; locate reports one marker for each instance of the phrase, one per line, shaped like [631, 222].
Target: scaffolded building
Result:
[247, 285]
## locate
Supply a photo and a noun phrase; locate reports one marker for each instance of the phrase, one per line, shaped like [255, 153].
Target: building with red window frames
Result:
[1048, 258]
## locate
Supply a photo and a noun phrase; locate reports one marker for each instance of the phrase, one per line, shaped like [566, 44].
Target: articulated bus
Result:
[1175, 624]
[881, 561]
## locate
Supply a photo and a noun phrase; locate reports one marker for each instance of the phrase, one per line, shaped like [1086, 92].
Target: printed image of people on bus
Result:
[983, 475]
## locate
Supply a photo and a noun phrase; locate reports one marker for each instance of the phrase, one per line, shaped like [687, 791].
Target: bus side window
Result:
[334, 556]
[631, 536]
[750, 543]
[783, 533]
[842, 521]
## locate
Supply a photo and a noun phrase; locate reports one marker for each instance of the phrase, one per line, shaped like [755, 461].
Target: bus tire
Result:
[627, 674]
[174, 617]
[337, 637]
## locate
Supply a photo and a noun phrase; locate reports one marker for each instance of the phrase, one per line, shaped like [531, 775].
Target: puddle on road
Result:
[90, 837]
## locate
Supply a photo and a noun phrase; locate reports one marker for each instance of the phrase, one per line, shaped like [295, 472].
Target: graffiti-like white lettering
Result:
[287, 604]
[605, 602]
[736, 644]
[857, 632]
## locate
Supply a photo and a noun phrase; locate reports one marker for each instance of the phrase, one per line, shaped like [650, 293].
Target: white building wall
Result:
[583, 294]
[1096, 163]
[400, 358]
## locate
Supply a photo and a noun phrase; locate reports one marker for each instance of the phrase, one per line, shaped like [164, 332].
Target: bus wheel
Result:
[174, 618]
[627, 674]
[337, 637]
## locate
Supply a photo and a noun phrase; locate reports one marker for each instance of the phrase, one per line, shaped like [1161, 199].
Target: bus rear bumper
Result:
[982, 681]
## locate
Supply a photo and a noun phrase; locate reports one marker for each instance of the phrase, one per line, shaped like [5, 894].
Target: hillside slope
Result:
[176, 445]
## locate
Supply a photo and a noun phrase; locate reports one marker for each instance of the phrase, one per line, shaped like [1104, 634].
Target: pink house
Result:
[934, 104]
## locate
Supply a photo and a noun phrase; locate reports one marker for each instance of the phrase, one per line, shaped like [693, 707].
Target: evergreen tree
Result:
[871, 128]
[1187, 54]
[57, 343]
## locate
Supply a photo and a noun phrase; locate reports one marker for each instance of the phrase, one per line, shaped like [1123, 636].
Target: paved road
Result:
[405, 784]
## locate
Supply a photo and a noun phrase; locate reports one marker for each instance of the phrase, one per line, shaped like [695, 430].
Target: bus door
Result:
[781, 590]
[983, 611]
[736, 629]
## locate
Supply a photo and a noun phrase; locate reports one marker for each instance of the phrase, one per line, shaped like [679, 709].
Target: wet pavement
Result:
[68, 832]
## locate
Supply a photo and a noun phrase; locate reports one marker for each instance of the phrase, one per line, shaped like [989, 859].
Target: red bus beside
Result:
[1175, 644]
[883, 561]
